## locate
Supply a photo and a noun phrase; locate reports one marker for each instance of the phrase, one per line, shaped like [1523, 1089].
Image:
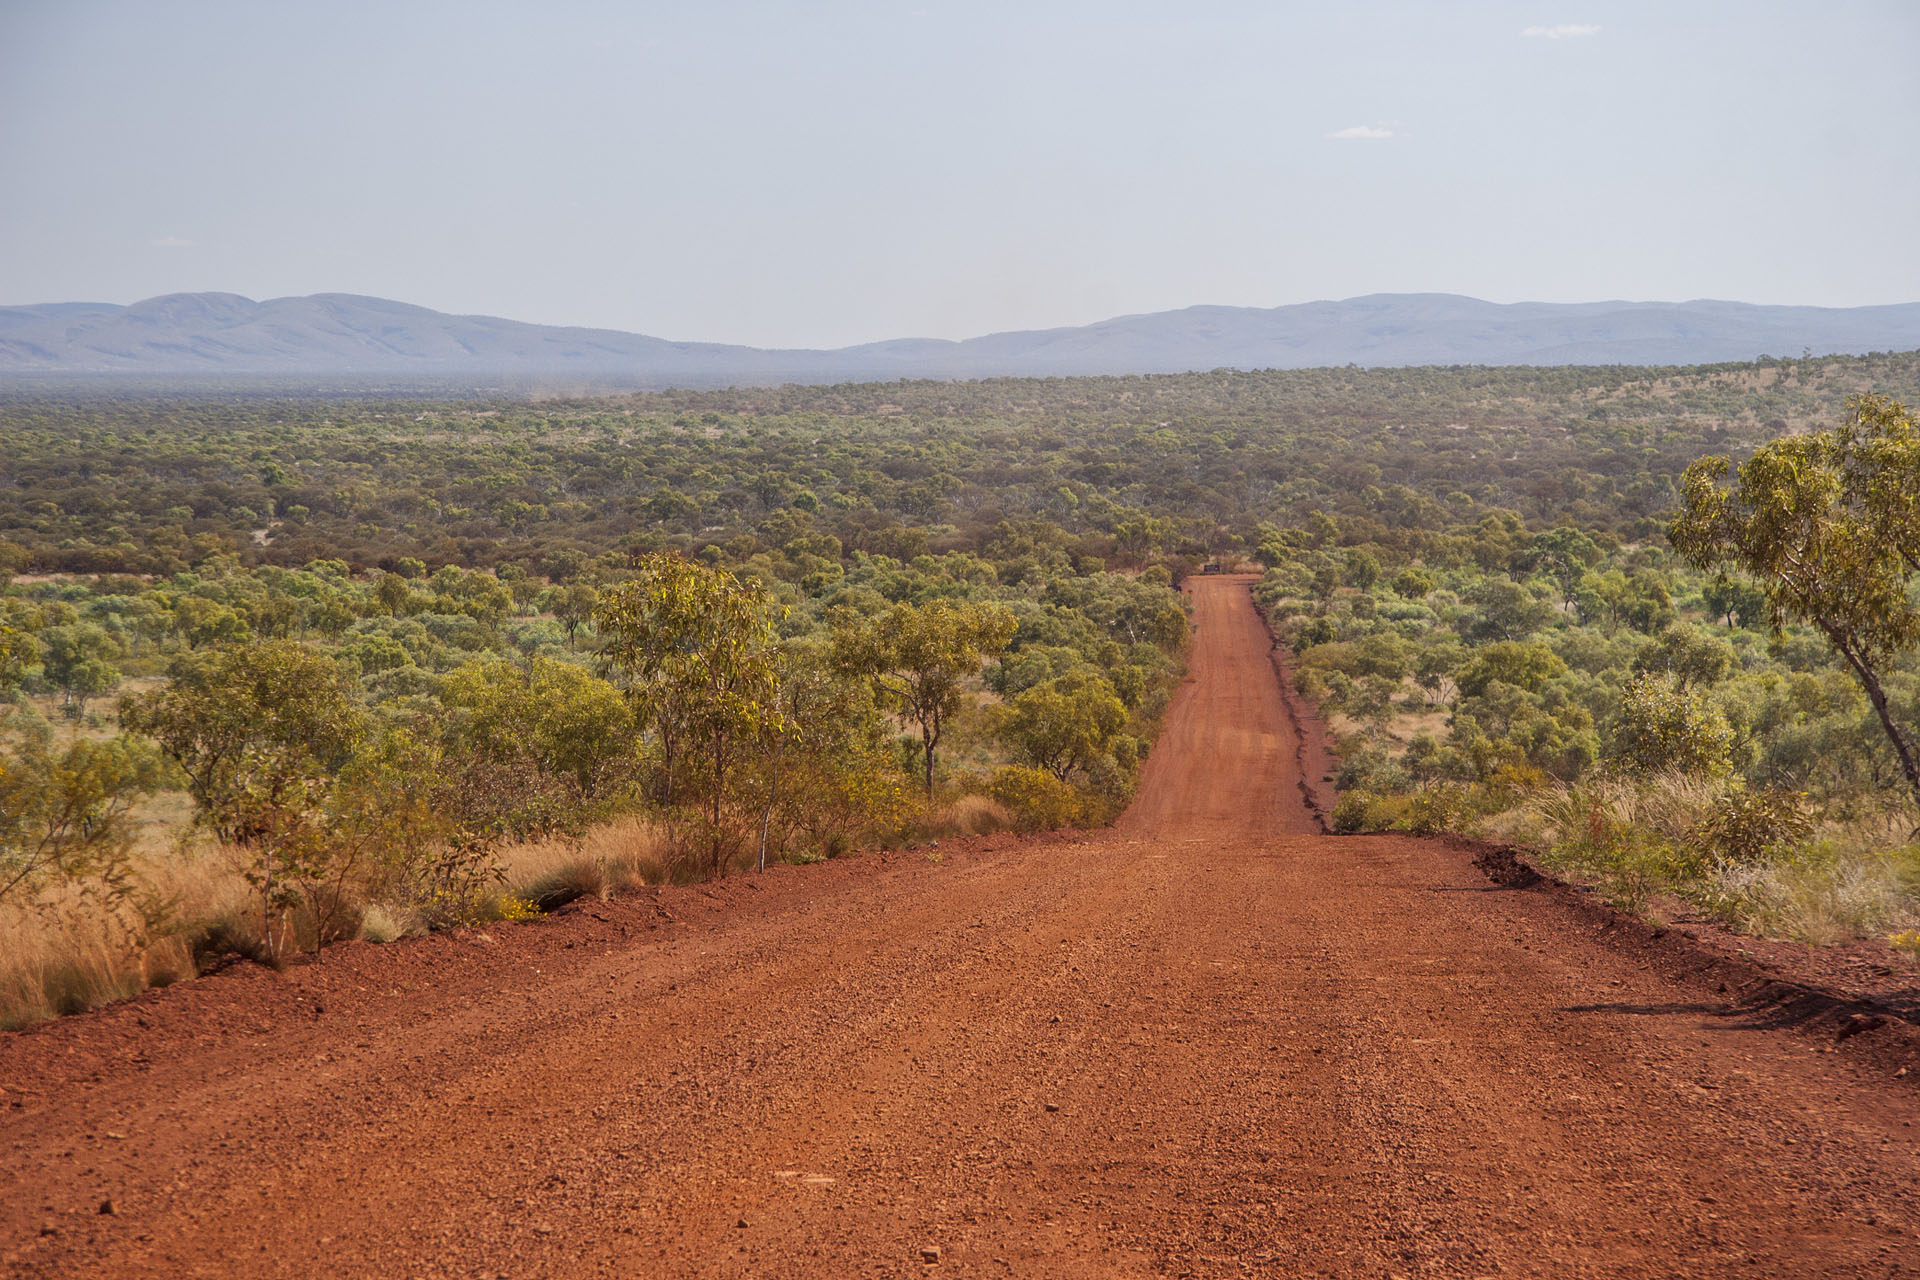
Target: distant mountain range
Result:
[337, 336]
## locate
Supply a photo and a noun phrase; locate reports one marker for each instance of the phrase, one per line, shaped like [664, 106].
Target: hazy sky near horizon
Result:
[830, 173]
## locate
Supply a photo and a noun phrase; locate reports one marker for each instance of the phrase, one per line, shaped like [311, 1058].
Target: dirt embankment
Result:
[1316, 764]
[1210, 1041]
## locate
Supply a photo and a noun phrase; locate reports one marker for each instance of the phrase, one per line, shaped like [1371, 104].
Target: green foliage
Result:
[1689, 657]
[1736, 603]
[14, 559]
[573, 604]
[1564, 554]
[1413, 583]
[822, 775]
[919, 657]
[18, 651]
[1829, 524]
[1661, 726]
[1752, 825]
[1356, 811]
[65, 813]
[1468, 562]
[1037, 799]
[258, 730]
[78, 661]
[571, 729]
[1504, 610]
[1524, 665]
[1439, 807]
[694, 648]
[1067, 725]
[251, 727]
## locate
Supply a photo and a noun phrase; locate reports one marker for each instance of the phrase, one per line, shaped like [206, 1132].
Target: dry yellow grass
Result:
[71, 950]
[609, 858]
[630, 844]
[970, 815]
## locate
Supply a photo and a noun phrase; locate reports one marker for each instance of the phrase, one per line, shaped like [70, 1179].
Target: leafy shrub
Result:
[1350, 812]
[65, 813]
[1439, 807]
[1358, 811]
[1661, 725]
[1038, 800]
[1512, 782]
[1748, 826]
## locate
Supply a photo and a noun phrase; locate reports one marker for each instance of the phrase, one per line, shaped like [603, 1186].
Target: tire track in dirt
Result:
[1206, 1042]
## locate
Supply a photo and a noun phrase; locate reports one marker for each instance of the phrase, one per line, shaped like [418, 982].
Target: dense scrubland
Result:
[288, 670]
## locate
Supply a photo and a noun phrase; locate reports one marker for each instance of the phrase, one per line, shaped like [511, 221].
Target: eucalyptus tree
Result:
[695, 649]
[1828, 525]
[920, 656]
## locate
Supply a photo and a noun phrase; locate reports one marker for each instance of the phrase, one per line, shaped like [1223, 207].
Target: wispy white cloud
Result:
[1361, 131]
[1564, 31]
[171, 242]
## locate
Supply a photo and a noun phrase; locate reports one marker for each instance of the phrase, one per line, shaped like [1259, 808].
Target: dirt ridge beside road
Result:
[1878, 1019]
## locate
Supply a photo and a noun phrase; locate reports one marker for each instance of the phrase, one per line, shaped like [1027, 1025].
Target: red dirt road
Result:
[1209, 1042]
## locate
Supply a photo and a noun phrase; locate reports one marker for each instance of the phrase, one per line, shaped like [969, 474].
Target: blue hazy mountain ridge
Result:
[347, 336]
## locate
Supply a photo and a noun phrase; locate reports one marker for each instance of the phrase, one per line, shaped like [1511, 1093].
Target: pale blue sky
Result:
[828, 173]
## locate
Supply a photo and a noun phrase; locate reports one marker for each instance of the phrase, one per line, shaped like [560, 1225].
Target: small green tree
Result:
[249, 726]
[402, 821]
[821, 763]
[1504, 610]
[1661, 726]
[66, 814]
[259, 730]
[1066, 724]
[1362, 569]
[1414, 583]
[1563, 554]
[919, 656]
[393, 593]
[574, 604]
[1523, 664]
[1690, 657]
[14, 558]
[694, 646]
[1828, 524]
[573, 727]
[18, 651]
[78, 661]
[1733, 602]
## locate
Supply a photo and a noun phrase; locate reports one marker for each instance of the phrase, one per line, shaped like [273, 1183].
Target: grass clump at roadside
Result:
[194, 909]
[1766, 862]
[1761, 861]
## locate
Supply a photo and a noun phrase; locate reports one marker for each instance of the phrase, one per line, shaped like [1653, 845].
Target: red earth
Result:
[1210, 1041]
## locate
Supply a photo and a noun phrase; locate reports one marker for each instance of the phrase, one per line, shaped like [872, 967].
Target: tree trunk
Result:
[1870, 681]
[929, 738]
[719, 776]
[666, 763]
[266, 905]
[766, 814]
